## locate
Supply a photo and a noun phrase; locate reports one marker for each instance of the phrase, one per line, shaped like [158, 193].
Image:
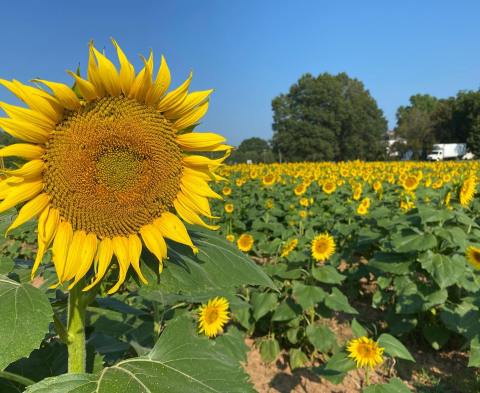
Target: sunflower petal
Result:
[88, 253]
[47, 227]
[172, 228]
[190, 216]
[192, 117]
[153, 239]
[86, 88]
[23, 150]
[103, 258]
[61, 245]
[159, 88]
[108, 74]
[21, 193]
[31, 209]
[93, 73]
[143, 81]
[127, 71]
[120, 249]
[199, 141]
[65, 95]
[74, 256]
[188, 104]
[134, 251]
[176, 96]
[31, 170]
[29, 115]
[21, 129]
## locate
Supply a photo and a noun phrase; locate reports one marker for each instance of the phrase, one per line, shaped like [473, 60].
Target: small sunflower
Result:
[245, 242]
[410, 183]
[268, 180]
[229, 208]
[213, 316]
[300, 189]
[230, 238]
[329, 187]
[365, 352]
[473, 256]
[304, 202]
[323, 247]
[226, 191]
[467, 191]
[362, 209]
[110, 167]
[288, 248]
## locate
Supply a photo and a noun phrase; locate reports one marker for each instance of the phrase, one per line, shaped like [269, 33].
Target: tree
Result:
[330, 117]
[253, 149]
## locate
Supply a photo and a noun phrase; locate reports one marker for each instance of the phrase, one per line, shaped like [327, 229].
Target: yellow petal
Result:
[65, 95]
[47, 228]
[195, 203]
[23, 150]
[199, 141]
[31, 170]
[36, 99]
[127, 71]
[21, 129]
[21, 193]
[89, 250]
[93, 73]
[172, 228]
[192, 117]
[190, 216]
[120, 249]
[134, 251]
[159, 88]
[74, 256]
[199, 161]
[86, 88]
[176, 96]
[143, 81]
[31, 209]
[60, 247]
[29, 115]
[189, 103]
[198, 186]
[153, 239]
[103, 259]
[108, 74]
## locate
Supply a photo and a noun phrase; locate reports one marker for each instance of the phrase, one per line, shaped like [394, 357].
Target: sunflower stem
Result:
[16, 378]
[77, 308]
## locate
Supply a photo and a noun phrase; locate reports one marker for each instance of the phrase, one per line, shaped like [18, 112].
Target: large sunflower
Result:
[110, 165]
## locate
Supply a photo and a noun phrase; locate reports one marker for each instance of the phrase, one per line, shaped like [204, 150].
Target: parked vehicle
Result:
[447, 151]
[468, 156]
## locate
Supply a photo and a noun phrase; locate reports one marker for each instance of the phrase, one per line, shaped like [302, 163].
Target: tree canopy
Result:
[329, 117]
[253, 149]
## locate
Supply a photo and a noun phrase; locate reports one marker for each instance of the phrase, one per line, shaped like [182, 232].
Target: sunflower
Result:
[323, 247]
[288, 248]
[110, 166]
[268, 180]
[467, 191]
[245, 242]
[362, 209]
[304, 202]
[365, 352]
[230, 238]
[229, 208]
[269, 203]
[226, 191]
[473, 256]
[410, 183]
[300, 189]
[329, 187]
[213, 316]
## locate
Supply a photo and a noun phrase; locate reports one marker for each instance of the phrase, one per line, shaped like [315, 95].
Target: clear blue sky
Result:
[250, 51]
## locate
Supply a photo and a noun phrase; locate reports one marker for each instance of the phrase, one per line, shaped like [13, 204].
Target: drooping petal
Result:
[160, 86]
[61, 245]
[103, 260]
[172, 228]
[199, 141]
[201, 161]
[199, 186]
[31, 209]
[74, 256]
[47, 228]
[195, 203]
[190, 216]
[23, 150]
[134, 251]
[65, 95]
[153, 239]
[120, 249]
[29, 115]
[127, 71]
[89, 250]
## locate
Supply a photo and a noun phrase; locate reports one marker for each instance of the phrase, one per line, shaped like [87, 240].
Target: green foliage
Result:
[252, 149]
[330, 117]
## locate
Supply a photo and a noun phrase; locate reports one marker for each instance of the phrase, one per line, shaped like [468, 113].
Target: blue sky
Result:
[250, 51]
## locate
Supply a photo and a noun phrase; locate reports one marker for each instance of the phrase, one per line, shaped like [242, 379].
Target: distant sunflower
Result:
[288, 248]
[329, 187]
[229, 208]
[213, 316]
[365, 352]
[300, 189]
[323, 247]
[410, 183]
[230, 238]
[467, 191]
[108, 166]
[362, 209]
[268, 180]
[473, 256]
[226, 191]
[245, 242]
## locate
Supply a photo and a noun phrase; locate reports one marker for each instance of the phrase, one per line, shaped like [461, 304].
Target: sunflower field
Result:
[135, 261]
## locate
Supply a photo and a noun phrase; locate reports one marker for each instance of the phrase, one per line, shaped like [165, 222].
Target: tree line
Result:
[335, 118]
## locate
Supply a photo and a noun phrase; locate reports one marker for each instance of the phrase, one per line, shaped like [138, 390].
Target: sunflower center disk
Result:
[113, 166]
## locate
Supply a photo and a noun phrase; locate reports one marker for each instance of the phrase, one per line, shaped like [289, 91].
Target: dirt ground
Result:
[433, 372]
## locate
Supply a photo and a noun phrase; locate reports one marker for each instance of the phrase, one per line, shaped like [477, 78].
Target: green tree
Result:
[329, 117]
[253, 149]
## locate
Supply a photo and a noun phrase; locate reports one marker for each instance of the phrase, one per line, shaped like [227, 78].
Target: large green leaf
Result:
[394, 347]
[395, 385]
[218, 265]
[25, 317]
[445, 270]
[180, 362]
[339, 302]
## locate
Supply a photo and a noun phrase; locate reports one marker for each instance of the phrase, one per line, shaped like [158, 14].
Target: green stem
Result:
[77, 307]
[16, 378]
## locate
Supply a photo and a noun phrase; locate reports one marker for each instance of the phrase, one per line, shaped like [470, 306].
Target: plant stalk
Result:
[16, 378]
[77, 307]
